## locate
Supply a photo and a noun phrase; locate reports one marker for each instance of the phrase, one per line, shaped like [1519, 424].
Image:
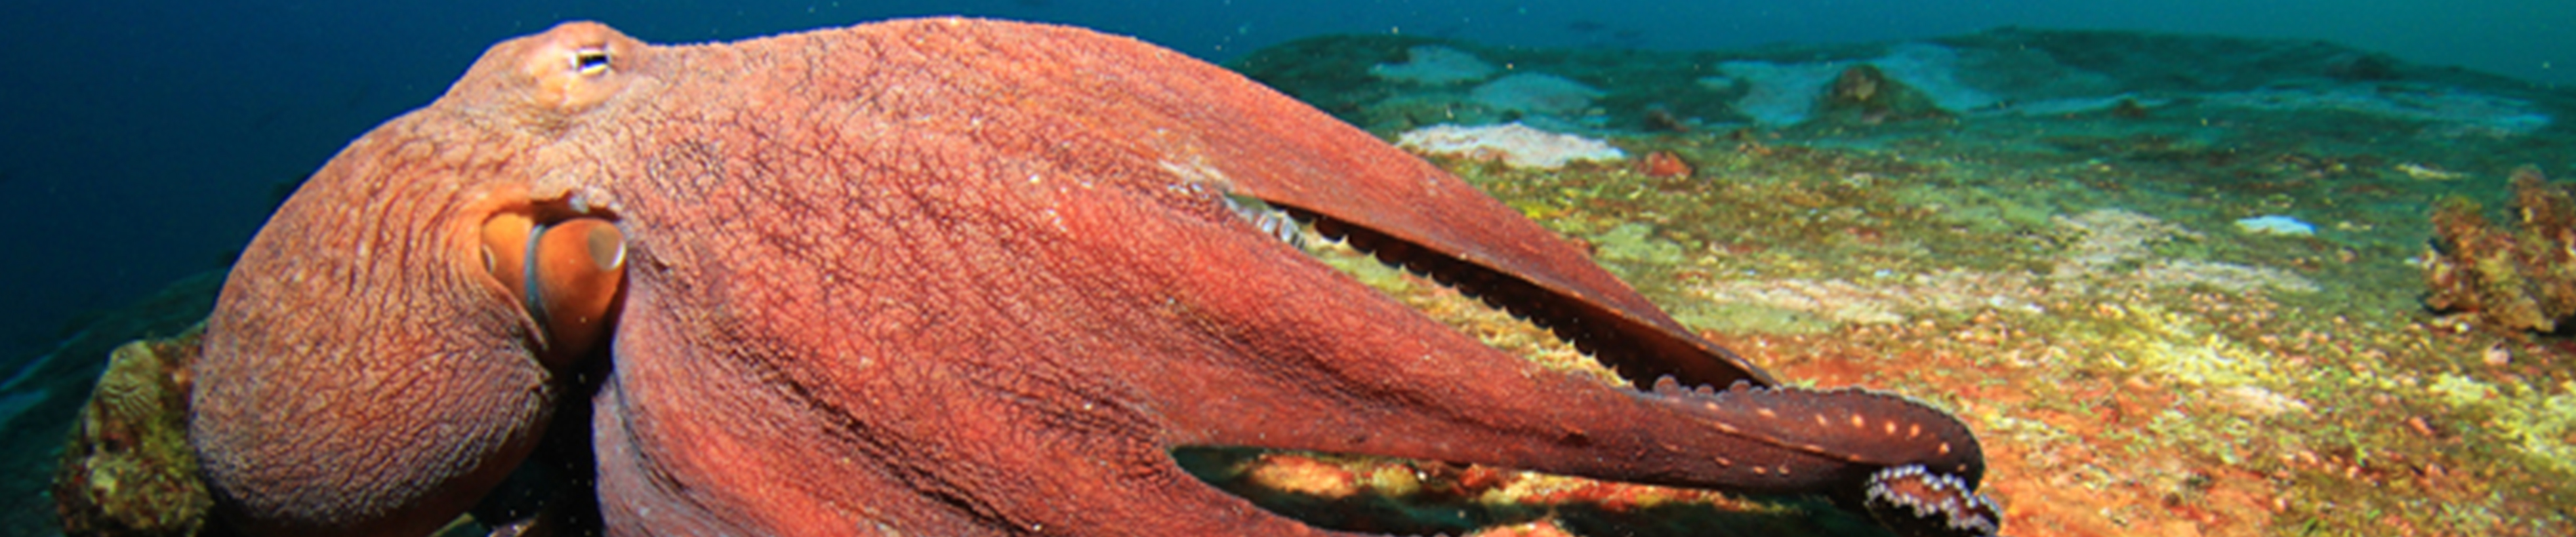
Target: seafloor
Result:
[2053, 235]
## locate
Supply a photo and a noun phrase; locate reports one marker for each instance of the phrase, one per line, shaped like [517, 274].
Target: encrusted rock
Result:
[126, 468]
[1863, 94]
[2521, 279]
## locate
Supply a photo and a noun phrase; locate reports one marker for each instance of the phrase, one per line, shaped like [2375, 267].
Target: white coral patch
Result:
[1512, 143]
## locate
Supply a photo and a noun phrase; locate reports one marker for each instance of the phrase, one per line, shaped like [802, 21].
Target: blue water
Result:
[143, 139]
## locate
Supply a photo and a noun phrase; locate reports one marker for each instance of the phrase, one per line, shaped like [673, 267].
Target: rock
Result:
[2522, 279]
[127, 469]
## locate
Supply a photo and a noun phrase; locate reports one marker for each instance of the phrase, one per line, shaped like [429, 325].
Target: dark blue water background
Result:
[143, 140]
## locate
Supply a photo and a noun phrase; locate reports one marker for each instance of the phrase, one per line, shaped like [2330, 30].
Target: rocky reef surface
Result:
[2178, 284]
[126, 468]
[2516, 278]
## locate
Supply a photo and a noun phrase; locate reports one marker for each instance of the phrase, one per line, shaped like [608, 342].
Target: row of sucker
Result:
[1270, 220]
[1915, 502]
[1593, 331]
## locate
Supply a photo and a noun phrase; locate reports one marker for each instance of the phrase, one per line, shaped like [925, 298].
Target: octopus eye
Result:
[590, 61]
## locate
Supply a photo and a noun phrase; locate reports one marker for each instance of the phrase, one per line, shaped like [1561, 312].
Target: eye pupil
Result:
[590, 61]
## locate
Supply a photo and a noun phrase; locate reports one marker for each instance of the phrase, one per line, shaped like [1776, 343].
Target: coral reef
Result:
[2516, 280]
[1536, 94]
[2107, 248]
[2062, 265]
[1910, 81]
[2458, 112]
[2363, 67]
[1772, 94]
[1434, 65]
[2112, 247]
[2533, 420]
[1881, 301]
[126, 469]
[1513, 144]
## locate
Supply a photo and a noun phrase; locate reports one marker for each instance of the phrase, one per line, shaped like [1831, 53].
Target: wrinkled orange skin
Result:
[933, 277]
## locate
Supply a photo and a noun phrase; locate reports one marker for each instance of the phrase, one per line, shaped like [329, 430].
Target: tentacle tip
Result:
[1914, 502]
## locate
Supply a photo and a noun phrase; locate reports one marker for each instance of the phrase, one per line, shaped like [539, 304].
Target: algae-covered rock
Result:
[2519, 279]
[50, 391]
[126, 468]
[1863, 94]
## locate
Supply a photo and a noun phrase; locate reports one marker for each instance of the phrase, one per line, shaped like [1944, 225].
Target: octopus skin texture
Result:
[941, 277]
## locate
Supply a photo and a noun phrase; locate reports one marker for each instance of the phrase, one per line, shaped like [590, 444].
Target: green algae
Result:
[2534, 420]
[127, 468]
[1632, 247]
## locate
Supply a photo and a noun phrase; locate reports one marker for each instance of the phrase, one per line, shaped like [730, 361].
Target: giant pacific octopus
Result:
[941, 277]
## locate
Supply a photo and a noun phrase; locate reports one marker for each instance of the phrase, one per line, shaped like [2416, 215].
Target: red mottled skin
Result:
[935, 277]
